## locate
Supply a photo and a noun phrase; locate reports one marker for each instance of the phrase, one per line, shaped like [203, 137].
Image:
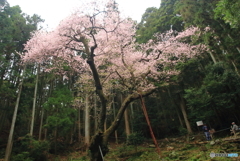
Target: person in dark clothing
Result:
[206, 132]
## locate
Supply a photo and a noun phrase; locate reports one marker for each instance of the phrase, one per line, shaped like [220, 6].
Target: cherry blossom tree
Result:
[99, 44]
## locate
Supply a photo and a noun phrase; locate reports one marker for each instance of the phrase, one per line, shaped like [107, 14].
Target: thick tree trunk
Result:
[98, 146]
[10, 141]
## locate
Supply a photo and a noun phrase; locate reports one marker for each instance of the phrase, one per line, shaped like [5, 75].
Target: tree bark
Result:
[10, 141]
[41, 124]
[34, 101]
[114, 116]
[126, 120]
[79, 125]
[213, 58]
[87, 121]
[132, 116]
[183, 109]
[95, 113]
[98, 146]
[127, 127]
[46, 130]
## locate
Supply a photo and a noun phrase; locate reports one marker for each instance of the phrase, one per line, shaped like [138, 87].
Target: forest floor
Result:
[172, 149]
[193, 148]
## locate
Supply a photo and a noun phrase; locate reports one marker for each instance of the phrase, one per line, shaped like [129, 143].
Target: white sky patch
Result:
[53, 11]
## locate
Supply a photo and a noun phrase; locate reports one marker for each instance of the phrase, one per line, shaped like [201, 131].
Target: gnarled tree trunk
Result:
[99, 142]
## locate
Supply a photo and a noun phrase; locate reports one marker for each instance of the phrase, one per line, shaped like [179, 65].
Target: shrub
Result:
[135, 139]
[24, 156]
[182, 131]
[29, 149]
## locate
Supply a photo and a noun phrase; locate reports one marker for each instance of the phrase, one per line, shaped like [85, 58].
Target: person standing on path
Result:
[206, 132]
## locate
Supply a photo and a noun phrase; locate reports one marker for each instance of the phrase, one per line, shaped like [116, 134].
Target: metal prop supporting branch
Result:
[101, 152]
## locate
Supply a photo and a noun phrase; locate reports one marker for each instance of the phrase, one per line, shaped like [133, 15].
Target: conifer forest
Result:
[99, 79]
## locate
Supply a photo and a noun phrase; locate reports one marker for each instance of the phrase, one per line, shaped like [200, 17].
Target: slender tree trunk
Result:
[179, 117]
[176, 107]
[41, 124]
[235, 67]
[46, 130]
[126, 120]
[132, 116]
[55, 140]
[163, 111]
[79, 125]
[34, 101]
[87, 121]
[213, 58]
[3, 115]
[73, 130]
[183, 109]
[114, 115]
[10, 138]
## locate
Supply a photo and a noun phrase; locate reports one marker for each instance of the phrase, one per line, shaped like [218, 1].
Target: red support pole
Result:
[149, 125]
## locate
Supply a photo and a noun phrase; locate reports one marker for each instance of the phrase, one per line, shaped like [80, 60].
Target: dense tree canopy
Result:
[229, 11]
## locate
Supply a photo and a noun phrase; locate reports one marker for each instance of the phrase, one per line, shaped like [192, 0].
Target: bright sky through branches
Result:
[53, 11]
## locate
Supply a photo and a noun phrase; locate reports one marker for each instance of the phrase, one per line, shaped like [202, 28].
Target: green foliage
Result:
[229, 11]
[30, 149]
[148, 156]
[15, 29]
[182, 131]
[7, 91]
[219, 91]
[196, 13]
[158, 20]
[128, 153]
[60, 118]
[135, 138]
[59, 109]
[24, 156]
[83, 158]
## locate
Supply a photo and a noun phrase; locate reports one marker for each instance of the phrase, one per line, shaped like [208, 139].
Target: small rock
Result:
[212, 142]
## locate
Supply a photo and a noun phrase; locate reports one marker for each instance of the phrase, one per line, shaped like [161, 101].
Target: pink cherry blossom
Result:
[99, 34]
